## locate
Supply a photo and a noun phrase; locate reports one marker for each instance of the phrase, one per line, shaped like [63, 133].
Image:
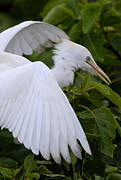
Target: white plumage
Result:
[28, 36]
[32, 105]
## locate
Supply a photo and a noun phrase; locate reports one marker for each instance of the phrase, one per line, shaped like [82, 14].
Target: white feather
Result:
[28, 34]
[63, 128]
[32, 106]
[41, 118]
[55, 133]
[71, 133]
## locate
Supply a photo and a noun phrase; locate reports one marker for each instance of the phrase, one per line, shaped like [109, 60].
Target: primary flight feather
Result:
[32, 105]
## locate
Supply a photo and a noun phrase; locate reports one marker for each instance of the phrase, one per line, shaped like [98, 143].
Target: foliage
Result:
[96, 25]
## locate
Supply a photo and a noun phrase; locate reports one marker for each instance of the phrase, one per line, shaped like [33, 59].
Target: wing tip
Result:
[88, 150]
[84, 143]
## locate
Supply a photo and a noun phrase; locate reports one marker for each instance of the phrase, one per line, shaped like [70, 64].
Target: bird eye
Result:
[88, 59]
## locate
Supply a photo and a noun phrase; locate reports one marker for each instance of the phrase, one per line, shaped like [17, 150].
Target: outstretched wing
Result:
[28, 36]
[9, 61]
[37, 112]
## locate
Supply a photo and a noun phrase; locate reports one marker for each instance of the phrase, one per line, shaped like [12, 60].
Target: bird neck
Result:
[64, 75]
[64, 64]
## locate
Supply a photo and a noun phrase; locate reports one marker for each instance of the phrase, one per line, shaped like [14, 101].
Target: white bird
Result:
[32, 105]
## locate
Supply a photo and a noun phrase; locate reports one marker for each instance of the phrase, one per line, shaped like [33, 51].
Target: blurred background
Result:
[96, 24]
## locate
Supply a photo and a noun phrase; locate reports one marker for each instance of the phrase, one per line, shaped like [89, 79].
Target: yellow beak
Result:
[99, 72]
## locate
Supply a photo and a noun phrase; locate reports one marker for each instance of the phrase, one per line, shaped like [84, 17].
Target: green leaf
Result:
[30, 164]
[114, 176]
[17, 171]
[85, 115]
[15, 151]
[110, 18]
[118, 5]
[99, 178]
[32, 175]
[107, 127]
[49, 5]
[74, 6]
[8, 162]
[5, 134]
[111, 169]
[115, 40]
[90, 15]
[94, 42]
[73, 159]
[76, 31]
[58, 14]
[110, 58]
[7, 173]
[108, 93]
[86, 82]
[44, 170]
[55, 175]
[105, 2]
[43, 162]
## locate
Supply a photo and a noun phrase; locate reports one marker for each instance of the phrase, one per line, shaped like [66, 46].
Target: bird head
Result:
[88, 64]
[71, 55]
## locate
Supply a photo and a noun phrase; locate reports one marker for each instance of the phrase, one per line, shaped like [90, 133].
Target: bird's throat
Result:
[64, 76]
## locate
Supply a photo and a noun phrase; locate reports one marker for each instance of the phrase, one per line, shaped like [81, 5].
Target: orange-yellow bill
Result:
[99, 72]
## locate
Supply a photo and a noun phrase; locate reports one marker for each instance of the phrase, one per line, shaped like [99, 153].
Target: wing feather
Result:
[4, 109]
[54, 135]
[80, 135]
[15, 109]
[45, 132]
[71, 133]
[35, 134]
[25, 47]
[39, 115]
[30, 123]
[3, 105]
[25, 115]
[63, 144]
[37, 112]
[31, 35]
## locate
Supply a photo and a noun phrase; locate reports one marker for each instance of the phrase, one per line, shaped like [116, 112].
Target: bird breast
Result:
[64, 76]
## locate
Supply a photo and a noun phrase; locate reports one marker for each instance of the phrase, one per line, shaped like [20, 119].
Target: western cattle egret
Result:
[32, 105]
